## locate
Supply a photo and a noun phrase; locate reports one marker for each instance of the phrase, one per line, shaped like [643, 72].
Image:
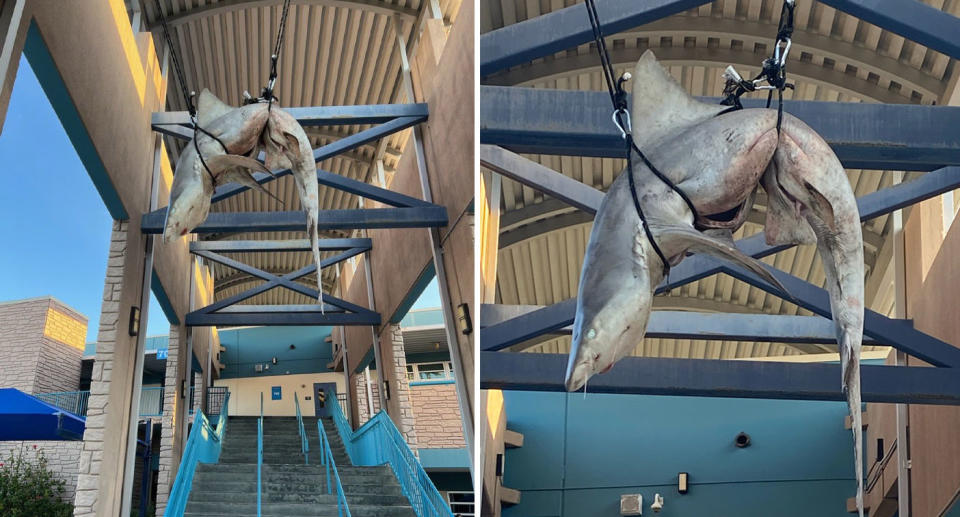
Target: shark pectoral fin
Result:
[676, 237]
[210, 108]
[244, 177]
[223, 162]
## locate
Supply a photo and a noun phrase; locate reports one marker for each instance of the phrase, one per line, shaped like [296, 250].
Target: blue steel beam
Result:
[567, 28]
[893, 332]
[911, 19]
[315, 115]
[774, 328]
[868, 136]
[219, 222]
[329, 319]
[279, 245]
[717, 378]
[559, 315]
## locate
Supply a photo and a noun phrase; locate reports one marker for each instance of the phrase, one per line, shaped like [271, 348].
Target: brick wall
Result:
[437, 416]
[41, 344]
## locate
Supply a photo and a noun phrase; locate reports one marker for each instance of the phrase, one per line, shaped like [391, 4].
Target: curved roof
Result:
[835, 58]
[335, 52]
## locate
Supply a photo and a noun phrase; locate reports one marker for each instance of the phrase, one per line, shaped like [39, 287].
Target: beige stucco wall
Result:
[245, 393]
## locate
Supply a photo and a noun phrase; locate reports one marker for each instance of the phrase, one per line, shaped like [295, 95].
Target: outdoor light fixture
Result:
[293, 347]
[683, 480]
[134, 326]
[274, 360]
[463, 319]
[386, 390]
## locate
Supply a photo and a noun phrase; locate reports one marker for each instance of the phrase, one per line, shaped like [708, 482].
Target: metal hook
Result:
[620, 125]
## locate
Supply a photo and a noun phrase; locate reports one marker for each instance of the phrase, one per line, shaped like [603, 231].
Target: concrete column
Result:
[174, 411]
[14, 21]
[399, 405]
[102, 458]
[360, 396]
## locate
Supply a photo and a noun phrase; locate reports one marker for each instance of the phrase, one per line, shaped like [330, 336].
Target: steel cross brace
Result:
[560, 315]
[333, 311]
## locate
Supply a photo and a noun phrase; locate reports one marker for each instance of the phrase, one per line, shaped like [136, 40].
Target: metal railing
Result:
[259, 454]
[379, 442]
[151, 401]
[326, 458]
[203, 446]
[73, 401]
[304, 443]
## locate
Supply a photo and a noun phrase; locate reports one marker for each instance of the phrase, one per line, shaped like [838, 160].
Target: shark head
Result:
[612, 310]
[189, 206]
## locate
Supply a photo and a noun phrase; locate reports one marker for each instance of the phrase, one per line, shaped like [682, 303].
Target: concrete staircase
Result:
[290, 488]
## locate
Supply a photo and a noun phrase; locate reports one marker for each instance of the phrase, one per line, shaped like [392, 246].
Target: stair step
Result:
[271, 509]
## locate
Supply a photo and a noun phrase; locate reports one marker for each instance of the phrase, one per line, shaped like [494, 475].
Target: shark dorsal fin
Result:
[210, 108]
[660, 105]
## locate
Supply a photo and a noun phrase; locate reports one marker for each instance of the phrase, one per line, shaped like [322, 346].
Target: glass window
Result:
[461, 503]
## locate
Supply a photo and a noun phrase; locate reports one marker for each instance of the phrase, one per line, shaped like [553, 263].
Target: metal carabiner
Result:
[616, 120]
[781, 58]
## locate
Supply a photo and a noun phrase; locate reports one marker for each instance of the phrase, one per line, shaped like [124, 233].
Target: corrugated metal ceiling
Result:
[336, 52]
[835, 58]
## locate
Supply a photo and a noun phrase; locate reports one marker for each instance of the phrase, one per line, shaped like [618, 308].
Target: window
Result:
[419, 372]
[461, 504]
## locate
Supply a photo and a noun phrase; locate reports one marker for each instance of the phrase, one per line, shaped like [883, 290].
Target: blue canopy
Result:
[23, 417]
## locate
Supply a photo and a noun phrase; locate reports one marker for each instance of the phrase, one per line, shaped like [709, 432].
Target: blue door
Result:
[323, 393]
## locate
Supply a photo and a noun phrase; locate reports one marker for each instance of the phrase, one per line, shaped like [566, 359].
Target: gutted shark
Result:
[718, 162]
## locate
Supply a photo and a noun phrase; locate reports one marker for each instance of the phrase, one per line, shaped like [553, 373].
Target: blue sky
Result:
[55, 229]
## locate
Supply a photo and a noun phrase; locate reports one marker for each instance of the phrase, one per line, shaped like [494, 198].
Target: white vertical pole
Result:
[903, 410]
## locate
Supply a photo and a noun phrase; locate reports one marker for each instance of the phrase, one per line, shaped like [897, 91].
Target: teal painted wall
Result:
[581, 453]
[247, 347]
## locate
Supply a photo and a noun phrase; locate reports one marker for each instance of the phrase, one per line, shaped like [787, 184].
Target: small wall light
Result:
[683, 480]
[463, 319]
[274, 360]
[134, 326]
[293, 347]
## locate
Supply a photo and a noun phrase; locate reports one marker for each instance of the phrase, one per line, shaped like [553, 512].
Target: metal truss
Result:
[504, 327]
[332, 312]
[567, 28]
[403, 212]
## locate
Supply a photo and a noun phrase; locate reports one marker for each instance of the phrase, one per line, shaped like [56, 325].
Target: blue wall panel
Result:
[249, 346]
[581, 453]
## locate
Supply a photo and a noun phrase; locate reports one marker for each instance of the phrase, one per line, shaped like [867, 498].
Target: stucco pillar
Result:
[174, 411]
[14, 21]
[102, 458]
[399, 405]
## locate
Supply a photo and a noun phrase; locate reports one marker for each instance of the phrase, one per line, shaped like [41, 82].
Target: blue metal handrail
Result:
[203, 446]
[259, 454]
[379, 442]
[304, 443]
[326, 458]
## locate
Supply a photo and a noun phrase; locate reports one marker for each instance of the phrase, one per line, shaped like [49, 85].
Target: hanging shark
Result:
[243, 132]
[718, 160]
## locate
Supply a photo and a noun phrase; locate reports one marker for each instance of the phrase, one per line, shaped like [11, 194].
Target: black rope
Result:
[267, 93]
[773, 70]
[618, 97]
[187, 95]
